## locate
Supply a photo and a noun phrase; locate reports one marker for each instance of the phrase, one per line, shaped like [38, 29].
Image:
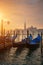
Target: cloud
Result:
[26, 1]
[20, 1]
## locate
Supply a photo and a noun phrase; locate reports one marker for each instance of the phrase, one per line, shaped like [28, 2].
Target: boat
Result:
[31, 44]
[34, 43]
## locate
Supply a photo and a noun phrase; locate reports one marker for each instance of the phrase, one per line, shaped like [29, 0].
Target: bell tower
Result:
[25, 25]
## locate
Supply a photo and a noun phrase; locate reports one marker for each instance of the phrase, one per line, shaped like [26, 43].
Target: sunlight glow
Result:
[1, 16]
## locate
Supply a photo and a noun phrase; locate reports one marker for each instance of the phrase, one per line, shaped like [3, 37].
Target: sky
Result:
[19, 11]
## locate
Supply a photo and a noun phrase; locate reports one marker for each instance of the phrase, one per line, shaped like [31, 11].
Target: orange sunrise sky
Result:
[19, 11]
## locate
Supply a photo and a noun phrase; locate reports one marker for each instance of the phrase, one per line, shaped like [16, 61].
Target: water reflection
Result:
[41, 59]
[19, 51]
[21, 56]
[30, 52]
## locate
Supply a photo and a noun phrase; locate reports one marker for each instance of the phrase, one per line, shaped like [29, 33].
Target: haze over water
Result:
[19, 11]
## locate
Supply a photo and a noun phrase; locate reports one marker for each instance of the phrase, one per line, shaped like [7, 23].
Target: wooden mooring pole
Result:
[41, 42]
[27, 33]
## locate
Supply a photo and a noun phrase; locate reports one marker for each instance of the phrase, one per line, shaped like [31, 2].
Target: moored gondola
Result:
[35, 43]
[31, 44]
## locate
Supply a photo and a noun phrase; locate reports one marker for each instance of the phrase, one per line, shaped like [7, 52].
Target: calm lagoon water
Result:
[21, 56]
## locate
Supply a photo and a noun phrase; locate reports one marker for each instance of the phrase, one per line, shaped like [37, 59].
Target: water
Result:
[21, 56]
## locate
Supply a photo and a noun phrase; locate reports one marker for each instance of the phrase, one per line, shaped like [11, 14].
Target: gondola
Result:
[35, 43]
[31, 44]
[19, 44]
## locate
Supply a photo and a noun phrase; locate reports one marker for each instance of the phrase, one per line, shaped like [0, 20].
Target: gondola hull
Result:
[18, 44]
[26, 45]
[32, 46]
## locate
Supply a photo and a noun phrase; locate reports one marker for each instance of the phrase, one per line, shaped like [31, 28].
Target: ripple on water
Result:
[19, 56]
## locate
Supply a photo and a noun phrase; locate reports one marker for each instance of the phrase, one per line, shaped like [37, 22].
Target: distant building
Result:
[33, 30]
[24, 25]
[40, 30]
